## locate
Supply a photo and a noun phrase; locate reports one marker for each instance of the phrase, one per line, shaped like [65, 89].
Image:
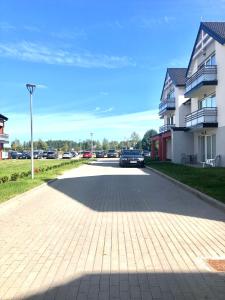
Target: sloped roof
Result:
[214, 29]
[3, 117]
[177, 75]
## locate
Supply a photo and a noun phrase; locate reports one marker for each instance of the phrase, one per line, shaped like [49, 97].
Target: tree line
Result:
[65, 145]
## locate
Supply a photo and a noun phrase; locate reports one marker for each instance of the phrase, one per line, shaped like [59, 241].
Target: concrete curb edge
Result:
[210, 200]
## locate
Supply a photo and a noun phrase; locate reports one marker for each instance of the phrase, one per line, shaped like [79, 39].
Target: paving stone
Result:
[103, 232]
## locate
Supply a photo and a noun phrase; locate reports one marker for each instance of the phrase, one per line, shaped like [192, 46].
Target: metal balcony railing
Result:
[204, 74]
[4, 138]
[166, 127]
[167, 104]
[201, 116]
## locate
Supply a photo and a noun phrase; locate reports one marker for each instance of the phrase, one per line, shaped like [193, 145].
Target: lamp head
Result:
[31, 87]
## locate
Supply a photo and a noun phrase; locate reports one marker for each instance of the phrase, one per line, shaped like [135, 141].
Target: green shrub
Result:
[4, 179]
[14, 176]
[23, 174]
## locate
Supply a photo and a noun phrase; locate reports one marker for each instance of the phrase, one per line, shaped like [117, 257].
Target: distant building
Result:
[4, 138]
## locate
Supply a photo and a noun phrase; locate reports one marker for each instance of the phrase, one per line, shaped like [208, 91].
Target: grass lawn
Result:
[8, 167]
[13, 188]
[210, 181]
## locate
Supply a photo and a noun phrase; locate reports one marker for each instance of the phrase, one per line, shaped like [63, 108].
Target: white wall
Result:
[181, 110]
[182, 142]
[220, 89]
[220, 144]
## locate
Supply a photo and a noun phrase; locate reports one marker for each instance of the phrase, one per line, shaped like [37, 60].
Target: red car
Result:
[87, 154]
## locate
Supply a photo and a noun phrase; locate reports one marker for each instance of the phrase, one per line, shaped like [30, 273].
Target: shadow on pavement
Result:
[192, 286]
[145, 192]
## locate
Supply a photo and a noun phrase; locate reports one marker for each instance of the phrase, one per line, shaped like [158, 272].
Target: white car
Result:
[67, 155]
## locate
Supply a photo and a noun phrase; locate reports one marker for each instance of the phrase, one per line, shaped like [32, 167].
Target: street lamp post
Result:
[31, 88]
[91, 141]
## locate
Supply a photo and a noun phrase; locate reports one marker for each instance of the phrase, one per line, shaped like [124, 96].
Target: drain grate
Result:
[217, 264]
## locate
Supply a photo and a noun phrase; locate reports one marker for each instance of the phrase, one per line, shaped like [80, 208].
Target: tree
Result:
[98, 145]
[146, 141]
[65, 147]
[16, 145]
[113, 145]
[134, 139]
[105, 144]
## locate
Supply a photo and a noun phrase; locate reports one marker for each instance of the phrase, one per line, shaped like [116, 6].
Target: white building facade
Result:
[198, 116]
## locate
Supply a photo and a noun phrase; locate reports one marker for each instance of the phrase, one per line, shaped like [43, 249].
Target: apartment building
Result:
[198, 131]
[4, 138]
[205, 86]
[172, 110]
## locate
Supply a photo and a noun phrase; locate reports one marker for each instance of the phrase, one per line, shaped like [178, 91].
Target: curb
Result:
[210, 200]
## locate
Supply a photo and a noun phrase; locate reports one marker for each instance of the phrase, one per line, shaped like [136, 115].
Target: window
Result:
[170, 95]
[209, 101]
[170, 120]
[211, 61]
[207, 146]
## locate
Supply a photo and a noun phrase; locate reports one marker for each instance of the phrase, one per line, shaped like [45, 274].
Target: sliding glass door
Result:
[207, 146]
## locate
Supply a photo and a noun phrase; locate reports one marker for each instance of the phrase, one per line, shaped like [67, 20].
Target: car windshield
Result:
[112, 151]
[131, 152]
[51, 152]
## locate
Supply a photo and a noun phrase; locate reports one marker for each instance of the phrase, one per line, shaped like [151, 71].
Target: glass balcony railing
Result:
[166, 127]
[206, 74]
[205, 115]
[4, 138]
[167, 104]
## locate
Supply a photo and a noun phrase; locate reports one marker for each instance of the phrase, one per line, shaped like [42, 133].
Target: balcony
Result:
[205, 117]
[168, 104]
[4, 138]
[202, 82]
[166, 127]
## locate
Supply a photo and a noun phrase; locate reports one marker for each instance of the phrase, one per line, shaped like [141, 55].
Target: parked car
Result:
[52, 155]
[146, 153]
[100, 154]
[14, 154]
[112, 153]
[44, 154]
[74, 153]
[67, 155]
[131, 158]
[87, 154]
[38, 154]
[24, 155]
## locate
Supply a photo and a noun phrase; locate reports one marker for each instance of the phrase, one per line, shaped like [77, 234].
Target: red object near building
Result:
[4, 138]
[158, 145]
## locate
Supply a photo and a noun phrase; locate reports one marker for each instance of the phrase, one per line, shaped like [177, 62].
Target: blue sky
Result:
[99, 65]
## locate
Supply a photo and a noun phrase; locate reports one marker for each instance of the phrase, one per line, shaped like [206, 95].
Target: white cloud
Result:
[151, 22]
[32, 52]
[5, 26]
[72, 34]
[78, 125]
[107, 110]
[41, 86]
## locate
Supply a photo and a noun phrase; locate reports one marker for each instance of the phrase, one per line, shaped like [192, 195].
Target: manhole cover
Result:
[217, 264]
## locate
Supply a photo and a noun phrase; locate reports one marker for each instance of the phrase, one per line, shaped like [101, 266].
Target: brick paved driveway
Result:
[104, 232]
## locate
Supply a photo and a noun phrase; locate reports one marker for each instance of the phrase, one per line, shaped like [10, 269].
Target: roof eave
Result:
[209, 32]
